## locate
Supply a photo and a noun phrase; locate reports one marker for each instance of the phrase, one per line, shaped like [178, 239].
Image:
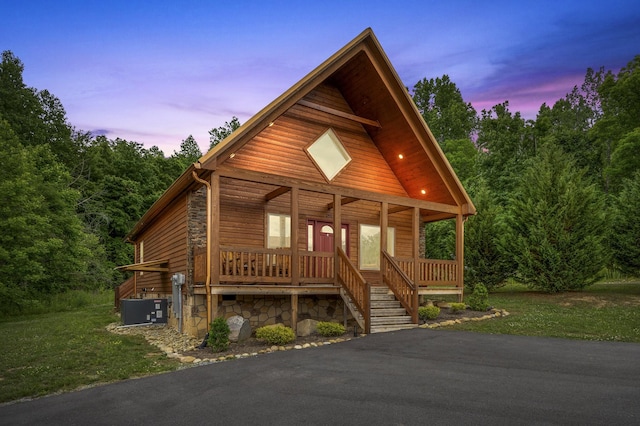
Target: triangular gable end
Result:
[376, 101]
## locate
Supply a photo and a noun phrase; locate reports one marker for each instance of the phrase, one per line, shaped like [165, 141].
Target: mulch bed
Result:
[253, 346]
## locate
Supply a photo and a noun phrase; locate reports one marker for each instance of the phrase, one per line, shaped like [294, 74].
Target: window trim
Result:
[268, 228]
[339, 146]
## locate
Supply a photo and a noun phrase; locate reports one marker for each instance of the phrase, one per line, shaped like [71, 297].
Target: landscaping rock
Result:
[306, 327]
[240, 328]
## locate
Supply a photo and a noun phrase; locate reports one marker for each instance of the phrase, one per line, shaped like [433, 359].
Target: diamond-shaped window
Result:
[329, 155]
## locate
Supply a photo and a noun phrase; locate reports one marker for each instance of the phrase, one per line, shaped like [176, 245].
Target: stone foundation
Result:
[259, 310]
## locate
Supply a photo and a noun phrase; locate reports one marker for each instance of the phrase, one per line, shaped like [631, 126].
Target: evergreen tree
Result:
[557, 223]
[218, 134]
[485, 236]
[625, 235]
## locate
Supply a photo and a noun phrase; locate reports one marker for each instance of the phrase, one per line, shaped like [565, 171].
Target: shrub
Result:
[479, 300]
[219, 335]
[276, 334]
[428, 312]
[330, 329]
[457, 307]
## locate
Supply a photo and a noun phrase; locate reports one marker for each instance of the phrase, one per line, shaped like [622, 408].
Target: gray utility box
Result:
[143, 311]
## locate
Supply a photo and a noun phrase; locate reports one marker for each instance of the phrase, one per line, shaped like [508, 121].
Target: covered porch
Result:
[297, 267]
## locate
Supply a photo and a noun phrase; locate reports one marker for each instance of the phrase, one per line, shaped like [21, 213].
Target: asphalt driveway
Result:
[408, 377]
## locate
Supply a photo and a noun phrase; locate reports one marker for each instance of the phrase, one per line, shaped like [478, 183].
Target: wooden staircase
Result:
[374, 299]
[387, 314]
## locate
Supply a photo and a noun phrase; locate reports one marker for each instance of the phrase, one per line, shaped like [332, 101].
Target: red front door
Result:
[320, 239]
[322, 235]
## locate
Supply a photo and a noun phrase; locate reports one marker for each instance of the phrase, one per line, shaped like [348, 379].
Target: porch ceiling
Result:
[370, 93]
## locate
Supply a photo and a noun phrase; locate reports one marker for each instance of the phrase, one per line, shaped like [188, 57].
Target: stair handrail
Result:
[400, 284]
[356, 287]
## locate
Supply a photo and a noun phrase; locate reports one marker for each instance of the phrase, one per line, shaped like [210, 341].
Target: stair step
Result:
[383, 297]
[404, 319]
[382, 304]
[385, 328]
[388, 312]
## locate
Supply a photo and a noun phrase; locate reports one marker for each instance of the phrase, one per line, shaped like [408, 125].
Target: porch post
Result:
[460, 254]
[337, 233]
[415, 227]
[384, 225]
[214, 254]
[295, 264]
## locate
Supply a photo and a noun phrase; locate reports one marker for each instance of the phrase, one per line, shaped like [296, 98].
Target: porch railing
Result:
[430, 272]
[400, 284]
[258, 265]
[255, 264]
[356, 287]
[316, 266]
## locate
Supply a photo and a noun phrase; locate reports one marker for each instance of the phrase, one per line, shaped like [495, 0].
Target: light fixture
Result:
[400, 156]
[423, 191]
[233, 154]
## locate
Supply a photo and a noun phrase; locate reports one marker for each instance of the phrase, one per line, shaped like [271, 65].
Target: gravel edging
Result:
[178, 346]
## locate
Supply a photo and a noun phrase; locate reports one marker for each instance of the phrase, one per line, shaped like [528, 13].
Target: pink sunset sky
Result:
[156, 72]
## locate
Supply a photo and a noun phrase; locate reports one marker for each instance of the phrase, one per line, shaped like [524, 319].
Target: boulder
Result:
[306, 327]
[240, 328]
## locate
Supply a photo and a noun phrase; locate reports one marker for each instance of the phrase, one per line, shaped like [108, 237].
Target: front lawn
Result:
[604, 311]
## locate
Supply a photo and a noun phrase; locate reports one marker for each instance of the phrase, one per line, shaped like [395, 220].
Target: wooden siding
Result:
[364, 89]
[243, 210]
[166, 238]
[280, 149]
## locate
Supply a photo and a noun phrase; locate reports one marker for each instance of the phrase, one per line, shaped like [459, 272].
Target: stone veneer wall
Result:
[260, 311]
[196, 228]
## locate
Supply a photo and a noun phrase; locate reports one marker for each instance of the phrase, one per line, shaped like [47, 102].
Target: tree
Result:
[218, 134]
[189, 152]
[43, 246]
[485, 235]
[505, 141]
[620, 102]
[443, 109]
[556, 216]
[625, 227]
[463, 157]
[625, 160]
[36, 118]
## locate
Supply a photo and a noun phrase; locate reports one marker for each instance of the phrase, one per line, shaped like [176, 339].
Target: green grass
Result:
[69, 347]
[604, 311]
[65, 350]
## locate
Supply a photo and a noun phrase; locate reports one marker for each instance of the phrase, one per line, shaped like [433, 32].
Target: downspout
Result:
[207, 283]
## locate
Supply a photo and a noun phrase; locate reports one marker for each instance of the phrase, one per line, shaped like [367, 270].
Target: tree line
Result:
[68, 198]
[555, 195]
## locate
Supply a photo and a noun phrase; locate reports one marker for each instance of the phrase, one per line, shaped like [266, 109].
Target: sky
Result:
[156, 72]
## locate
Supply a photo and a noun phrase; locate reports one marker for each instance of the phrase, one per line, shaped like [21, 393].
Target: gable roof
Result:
[378, 100]
[375, 93]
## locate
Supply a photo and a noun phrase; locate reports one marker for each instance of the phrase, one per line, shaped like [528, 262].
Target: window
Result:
[370, 246]
[329, 154]
[278, 230]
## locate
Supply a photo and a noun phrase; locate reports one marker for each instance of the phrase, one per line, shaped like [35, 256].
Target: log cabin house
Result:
[314, 208]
